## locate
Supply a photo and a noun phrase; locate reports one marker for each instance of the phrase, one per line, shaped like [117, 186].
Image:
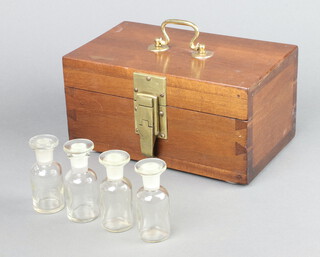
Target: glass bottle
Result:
[81, 185]
[46, 176]
[116, 192]
[152, 202]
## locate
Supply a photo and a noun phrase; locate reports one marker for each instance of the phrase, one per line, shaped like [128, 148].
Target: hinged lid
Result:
[220, 85]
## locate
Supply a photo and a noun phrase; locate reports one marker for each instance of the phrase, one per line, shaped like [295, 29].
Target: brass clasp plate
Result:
[150, 114]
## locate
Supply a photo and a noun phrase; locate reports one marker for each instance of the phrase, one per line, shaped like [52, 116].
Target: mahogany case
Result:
[227, 116]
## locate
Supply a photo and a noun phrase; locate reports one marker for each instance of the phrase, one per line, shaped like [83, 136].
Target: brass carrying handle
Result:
[161, 45]
[180, 22]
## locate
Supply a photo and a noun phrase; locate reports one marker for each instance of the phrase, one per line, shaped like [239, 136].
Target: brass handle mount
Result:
[161, 45]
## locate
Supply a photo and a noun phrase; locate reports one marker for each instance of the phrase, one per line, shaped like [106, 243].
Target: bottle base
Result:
[116, 225]
[82, 214]
[48, 206]
[154, 235]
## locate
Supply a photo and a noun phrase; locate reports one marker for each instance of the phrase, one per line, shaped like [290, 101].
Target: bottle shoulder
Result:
[52, 169]
[160, 194]
[87, 177]
[112, 185]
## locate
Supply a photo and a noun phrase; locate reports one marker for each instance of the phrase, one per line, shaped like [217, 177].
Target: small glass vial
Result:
[115, 192]
[81, 185]
[46, 176]
[152, 202]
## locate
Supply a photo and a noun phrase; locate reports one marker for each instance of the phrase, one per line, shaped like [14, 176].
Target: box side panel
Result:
[181, 92]
[274, 114]
[198, 143]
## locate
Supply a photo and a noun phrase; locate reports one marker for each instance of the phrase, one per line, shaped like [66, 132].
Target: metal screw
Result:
[137, 130]
[162, 95]
[136, 90]
[148, 78]
[162, 135]
[135, 108]
[161, 113]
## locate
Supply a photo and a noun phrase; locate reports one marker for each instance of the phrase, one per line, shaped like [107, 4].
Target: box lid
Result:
[221, 85]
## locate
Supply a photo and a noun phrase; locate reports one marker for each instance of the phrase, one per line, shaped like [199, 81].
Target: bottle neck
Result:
[44, 157]
[79, 163]
[114, 172]
[151, 182]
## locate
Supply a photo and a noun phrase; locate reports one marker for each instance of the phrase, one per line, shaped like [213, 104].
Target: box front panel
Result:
[199, 143]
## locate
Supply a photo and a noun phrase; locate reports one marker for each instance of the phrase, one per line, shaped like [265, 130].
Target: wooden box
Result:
[226, 116]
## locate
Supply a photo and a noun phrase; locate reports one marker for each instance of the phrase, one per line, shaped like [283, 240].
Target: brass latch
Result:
[150, 112]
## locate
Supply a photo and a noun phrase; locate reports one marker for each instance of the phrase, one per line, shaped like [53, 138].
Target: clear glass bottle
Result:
[81, 185]
[46, 176]
[116, 192]
[152, 202]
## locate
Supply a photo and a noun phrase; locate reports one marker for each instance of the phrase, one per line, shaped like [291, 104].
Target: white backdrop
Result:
[278, 214]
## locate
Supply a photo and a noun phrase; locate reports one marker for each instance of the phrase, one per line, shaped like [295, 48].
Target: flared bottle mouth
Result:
[114, 158]
[150, 166]
[43, 142]
[78, 146]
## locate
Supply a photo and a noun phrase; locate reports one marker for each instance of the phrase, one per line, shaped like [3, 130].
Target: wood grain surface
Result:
[228, 116]
[210, 141]
[274, 114]
[218, 85]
